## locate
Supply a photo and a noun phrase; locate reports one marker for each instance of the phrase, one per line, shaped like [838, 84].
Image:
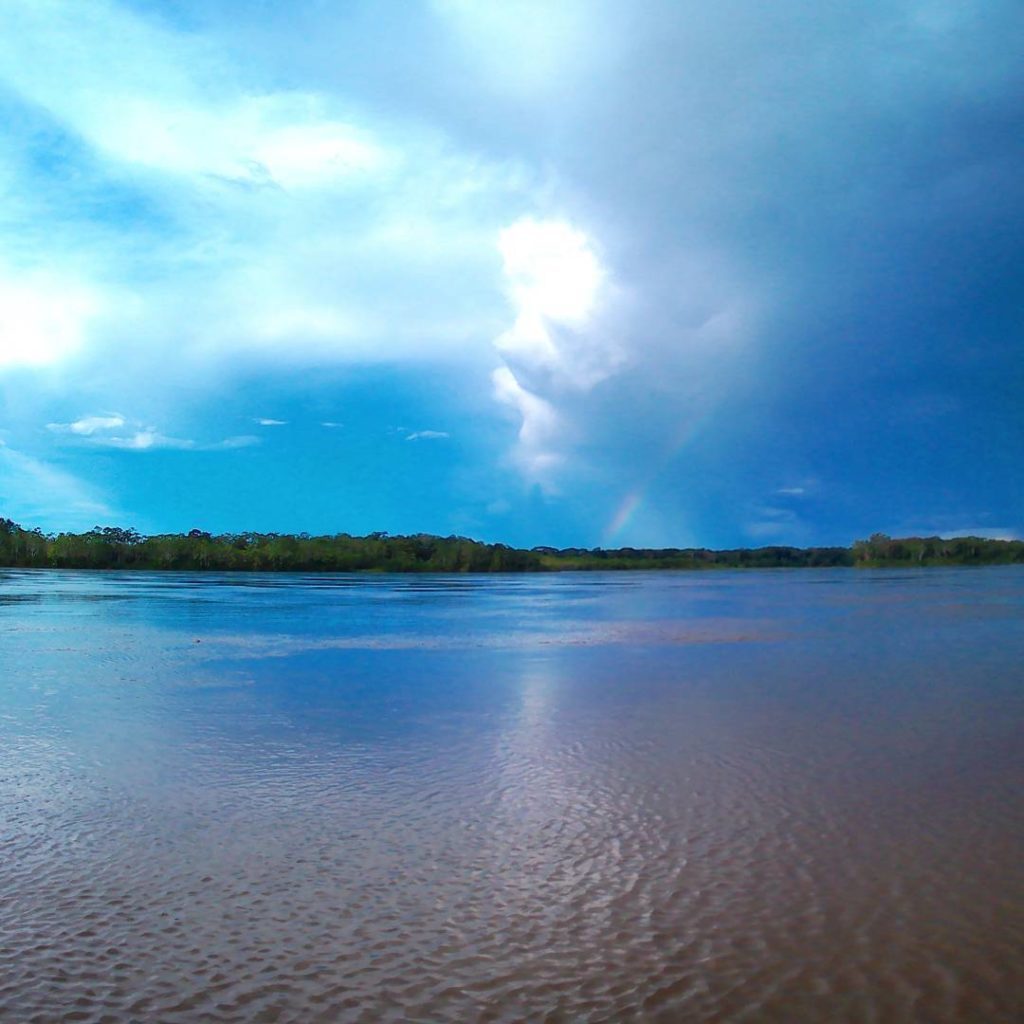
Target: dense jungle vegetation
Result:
[111, 547]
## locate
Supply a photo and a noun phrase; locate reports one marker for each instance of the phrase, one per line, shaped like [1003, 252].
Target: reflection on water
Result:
[766, 796]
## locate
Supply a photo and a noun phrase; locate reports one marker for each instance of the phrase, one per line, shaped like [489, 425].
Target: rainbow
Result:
[635, 497]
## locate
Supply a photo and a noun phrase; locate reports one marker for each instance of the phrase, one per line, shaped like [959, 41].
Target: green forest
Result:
[112, 547]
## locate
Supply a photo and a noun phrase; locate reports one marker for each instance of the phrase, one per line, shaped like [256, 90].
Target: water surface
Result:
[765, 796]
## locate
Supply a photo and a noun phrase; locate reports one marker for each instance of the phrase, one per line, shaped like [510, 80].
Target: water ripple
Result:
[825, 828]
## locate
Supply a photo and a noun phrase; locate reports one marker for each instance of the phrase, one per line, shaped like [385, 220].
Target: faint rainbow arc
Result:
[635, 496]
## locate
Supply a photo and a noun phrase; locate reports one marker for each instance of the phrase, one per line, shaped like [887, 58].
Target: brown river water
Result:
[763, 796]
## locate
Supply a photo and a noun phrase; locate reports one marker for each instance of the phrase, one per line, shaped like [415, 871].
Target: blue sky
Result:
[652, 273]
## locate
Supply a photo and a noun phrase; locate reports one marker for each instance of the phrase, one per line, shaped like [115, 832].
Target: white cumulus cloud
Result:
[559, 290]
[560, 340]
[540, 431]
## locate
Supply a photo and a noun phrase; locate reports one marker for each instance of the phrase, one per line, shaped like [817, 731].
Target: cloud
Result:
[152, 440]
[560, 340]
[541, 432]
[527, 50]
[793, 492]
[264, 422]
[89, 425]
[144, 441]
[99, 431]
[771, 523]
[36, 492]
[229, 443]
[146, 96]
[44, 317]
[145, 165]
[427, 435]
[557, 286]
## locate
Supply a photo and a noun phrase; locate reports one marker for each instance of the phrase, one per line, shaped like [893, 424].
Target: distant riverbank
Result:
[117, 548]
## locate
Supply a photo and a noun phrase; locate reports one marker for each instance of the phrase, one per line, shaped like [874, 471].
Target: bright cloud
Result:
[145, 96]
[559, 290]
[551, 270]
[300, 155]
[89, 425]
[298, 229]
[43, 318]
[559, 340]
[540, 433]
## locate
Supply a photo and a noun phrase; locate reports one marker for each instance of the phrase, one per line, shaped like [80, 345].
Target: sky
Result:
[593, 272]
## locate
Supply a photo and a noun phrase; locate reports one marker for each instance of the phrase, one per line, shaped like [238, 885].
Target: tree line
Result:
[881, 550]
[111, 547]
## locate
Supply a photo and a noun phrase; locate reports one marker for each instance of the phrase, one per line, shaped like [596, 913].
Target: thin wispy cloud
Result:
[152, 440]
[108, 431]
[230, 443]
[35, 491]
[427, 435]
[144, 441]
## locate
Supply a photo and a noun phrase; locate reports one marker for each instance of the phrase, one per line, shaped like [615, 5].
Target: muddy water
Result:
[772, 796]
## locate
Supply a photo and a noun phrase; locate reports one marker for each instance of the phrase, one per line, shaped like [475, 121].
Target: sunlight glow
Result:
[41, 322]
[551, 269]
